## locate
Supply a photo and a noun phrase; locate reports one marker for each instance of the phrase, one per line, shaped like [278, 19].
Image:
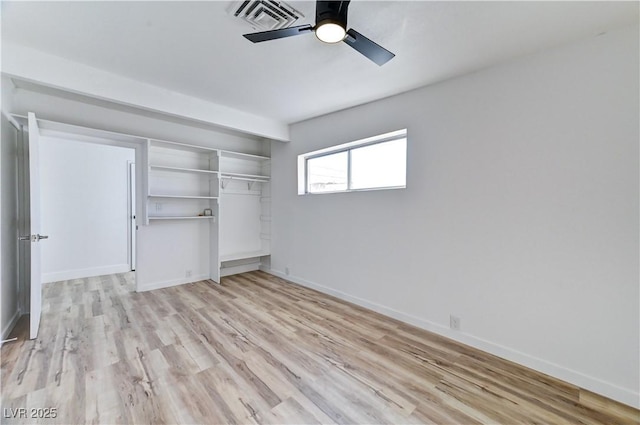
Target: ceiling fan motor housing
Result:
[332, 12]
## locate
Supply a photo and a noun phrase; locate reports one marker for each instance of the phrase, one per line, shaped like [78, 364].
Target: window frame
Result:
[303, 160]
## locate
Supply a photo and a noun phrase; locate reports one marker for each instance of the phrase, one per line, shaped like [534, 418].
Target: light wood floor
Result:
[256, 349]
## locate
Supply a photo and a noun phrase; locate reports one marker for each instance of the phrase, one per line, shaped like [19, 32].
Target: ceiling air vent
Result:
[266, 15]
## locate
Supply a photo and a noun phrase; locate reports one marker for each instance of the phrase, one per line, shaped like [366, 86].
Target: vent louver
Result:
[266, 14]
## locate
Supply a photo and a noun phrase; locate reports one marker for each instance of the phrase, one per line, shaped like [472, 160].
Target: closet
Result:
[228, 191]
[245, 210]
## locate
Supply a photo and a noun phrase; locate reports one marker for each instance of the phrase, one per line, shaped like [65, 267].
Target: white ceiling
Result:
[197, 48]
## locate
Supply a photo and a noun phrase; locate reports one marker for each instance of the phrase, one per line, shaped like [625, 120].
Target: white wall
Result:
[520, 214]
[84, 204]
[8, 217]
[64, 107]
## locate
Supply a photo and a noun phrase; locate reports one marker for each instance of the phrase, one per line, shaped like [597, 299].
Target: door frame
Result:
[131, 213]
[24, 254]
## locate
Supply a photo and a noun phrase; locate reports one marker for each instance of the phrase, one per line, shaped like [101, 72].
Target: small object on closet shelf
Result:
[208, 212]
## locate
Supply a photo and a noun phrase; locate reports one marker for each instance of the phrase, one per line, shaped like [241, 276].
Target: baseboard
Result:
[6, 330]
[169, 283]
[82, 273]
[579, 379]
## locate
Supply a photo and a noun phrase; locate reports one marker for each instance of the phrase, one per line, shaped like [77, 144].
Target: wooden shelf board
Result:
[181, 146]
[240, 155]
[254, 177]
[199, 217]
[243, 255]
[182, 196]
[182, 170]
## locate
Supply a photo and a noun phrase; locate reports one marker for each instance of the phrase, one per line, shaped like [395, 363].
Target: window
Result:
[378, 162]
[328, 173]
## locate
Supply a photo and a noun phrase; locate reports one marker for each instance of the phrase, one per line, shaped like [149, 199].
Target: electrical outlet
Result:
[454, 322]
[188, 273]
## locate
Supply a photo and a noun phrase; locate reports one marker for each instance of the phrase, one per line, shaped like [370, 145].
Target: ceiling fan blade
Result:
[257, 37]
[368, 48]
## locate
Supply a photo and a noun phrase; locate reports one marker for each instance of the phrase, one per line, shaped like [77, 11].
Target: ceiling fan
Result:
[331, 27]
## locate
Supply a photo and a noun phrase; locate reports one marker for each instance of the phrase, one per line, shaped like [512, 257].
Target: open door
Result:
[34, 236]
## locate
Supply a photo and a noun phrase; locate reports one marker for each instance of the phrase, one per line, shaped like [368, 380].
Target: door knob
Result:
[32, 238]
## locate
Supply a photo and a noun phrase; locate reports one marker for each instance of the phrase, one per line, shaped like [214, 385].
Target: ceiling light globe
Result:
[330, 32]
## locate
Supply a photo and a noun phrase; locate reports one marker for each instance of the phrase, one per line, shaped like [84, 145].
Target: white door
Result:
[34, 236]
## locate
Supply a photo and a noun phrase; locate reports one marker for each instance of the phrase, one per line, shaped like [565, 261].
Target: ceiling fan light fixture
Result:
[330, 31]
[331, 27]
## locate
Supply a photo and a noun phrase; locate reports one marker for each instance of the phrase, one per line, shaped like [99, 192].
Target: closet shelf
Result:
[181, 146]
[181, 196]
[243, 255]
[251, 179]
[239, 155]
[248, 177]
[197, 217]
[181, 170]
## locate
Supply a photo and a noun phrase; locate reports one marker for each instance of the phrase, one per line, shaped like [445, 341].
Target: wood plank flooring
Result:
[257, 349]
